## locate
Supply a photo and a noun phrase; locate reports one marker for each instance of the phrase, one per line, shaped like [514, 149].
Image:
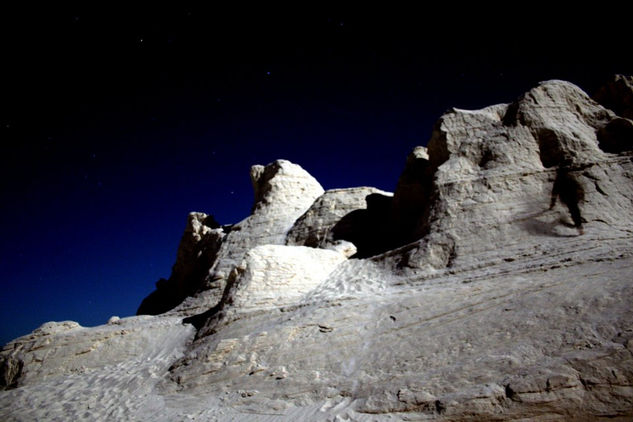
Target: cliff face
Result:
[489, 175]
[463, 295]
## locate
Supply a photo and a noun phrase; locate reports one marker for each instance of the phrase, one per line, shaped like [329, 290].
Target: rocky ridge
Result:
[461, 296]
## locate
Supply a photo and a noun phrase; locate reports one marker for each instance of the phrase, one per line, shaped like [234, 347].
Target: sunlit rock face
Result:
[208, 252]
[617, 95]
[464, 295]
[489, 174]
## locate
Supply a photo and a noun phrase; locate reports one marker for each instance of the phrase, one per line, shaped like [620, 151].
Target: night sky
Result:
[117, 122]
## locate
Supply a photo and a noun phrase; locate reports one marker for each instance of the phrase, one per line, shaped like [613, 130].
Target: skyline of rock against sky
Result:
[466, 294]
[117, 122]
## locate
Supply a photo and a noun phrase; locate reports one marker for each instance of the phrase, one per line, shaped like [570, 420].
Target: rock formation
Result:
[462, 296]
[207, 252]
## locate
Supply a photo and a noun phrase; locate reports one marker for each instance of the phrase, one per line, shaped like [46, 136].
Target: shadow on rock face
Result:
[538, 227]
[390, 222]
[367, 228]
[541, 227]
[616, 136]
[550, 148]
[164, 298]
[10, 372]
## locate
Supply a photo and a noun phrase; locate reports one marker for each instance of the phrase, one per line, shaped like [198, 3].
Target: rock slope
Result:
[461, 296]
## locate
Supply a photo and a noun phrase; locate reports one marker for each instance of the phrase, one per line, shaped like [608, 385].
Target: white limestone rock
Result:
[272, 276]
[487, 184]
[114, 320]
[208, 252]
[197, 252]
[317, 227]
[53, 327]
[527, 339]
[283, 192]
[282, 187]
[58, 350]
[564, 121]
[478, 302]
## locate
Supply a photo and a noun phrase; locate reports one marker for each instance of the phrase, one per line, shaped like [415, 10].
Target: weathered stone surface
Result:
[283, 192]
[479, 302]
[487, 180]
[197, 252]
[11, 371]
[503, 346]
[208, 252]
[57, 351]
[316, 228]
[564, 121]
[272, 276]
[348, 249]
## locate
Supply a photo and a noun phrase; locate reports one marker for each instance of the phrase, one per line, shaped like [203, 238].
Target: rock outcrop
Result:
[197, 252]
[487, 182]
[462, 296]
[356, 215]
[208, 252]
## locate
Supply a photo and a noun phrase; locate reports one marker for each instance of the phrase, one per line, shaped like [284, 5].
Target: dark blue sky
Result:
[117, 122]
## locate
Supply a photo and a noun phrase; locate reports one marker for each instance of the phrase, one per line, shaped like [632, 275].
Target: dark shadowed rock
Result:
[316, 228]
[10, 371]
[617, 95]
[197, 252]
[411, 198]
